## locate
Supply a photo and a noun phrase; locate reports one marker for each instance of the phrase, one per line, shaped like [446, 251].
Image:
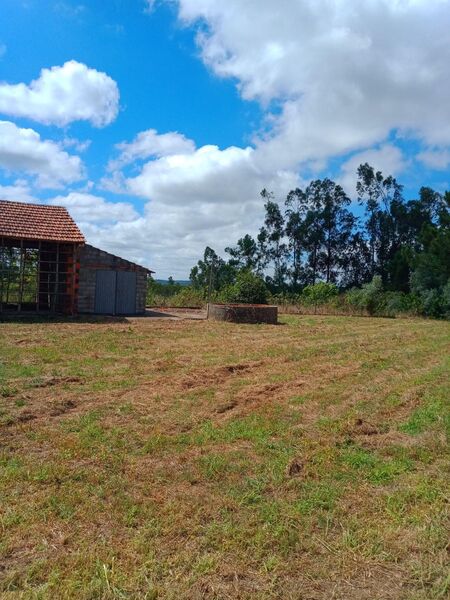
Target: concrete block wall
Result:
[141, 291]
[93, 259]
[86, 290]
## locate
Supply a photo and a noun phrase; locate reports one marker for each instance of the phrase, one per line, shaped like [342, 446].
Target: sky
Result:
[158, 122]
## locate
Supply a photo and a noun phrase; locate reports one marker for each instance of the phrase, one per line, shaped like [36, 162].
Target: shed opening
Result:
[36, 276]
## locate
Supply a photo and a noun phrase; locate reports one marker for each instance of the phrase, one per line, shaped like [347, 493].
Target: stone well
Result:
[243, 313]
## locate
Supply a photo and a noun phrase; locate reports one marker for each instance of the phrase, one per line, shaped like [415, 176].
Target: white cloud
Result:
[387, 158]
[199, 197]
[61, 95]
[437, 158]
[171, 239]
[204, 175]
[208, 175]
[23, 150]
[150, 144]
[79, 145]
[345, 73]
[88, 209]
[19, 191]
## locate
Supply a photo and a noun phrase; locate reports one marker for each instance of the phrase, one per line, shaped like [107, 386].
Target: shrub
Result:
[188, 298]
[369, 298]
[399, 302]
[319, 293]
[284, 299]
[247, 289]
[446, 300]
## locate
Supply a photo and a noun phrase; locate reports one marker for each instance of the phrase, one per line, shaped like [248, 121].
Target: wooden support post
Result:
[56, 288]
[2, 271]
[21, 276]
[38, 277]
[74, 270]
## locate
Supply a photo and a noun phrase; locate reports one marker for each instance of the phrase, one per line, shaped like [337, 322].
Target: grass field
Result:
[189, 459]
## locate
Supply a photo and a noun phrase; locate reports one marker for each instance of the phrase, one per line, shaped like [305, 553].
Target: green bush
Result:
[182, 297]
[401, 303]
[247, 289]
[369, 298]
[188, 298]
[446, 300]
[284, 299]
[319, 293]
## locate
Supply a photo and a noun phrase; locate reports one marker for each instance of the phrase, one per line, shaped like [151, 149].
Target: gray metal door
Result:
[105, 292]
[126, 293]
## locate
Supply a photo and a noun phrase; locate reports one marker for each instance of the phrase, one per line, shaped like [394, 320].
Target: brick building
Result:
[47, 267]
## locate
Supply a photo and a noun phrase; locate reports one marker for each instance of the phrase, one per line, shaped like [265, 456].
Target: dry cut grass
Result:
[196, 460]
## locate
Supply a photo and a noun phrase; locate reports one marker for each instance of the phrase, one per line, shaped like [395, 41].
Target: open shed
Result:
[47, 267]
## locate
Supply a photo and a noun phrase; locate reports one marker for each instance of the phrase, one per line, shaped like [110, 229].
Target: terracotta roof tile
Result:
[38, 222]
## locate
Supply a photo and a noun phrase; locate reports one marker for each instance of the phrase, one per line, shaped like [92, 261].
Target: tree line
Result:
[314, 237]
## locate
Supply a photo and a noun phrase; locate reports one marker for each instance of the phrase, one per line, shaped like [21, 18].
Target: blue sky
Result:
[163, 84]
[210, 102]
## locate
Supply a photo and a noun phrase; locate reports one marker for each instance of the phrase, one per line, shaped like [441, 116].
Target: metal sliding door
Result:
[115, 293]
[126, 293]
[105, 292]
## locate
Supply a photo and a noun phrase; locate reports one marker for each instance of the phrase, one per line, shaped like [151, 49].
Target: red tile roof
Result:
[38, 222]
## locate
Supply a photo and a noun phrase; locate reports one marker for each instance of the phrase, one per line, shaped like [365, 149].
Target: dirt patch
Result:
[362, 427]
[254, 395]
[223, 408]
[390, 438]
[217, 375]
[238, 368]
[62, 407]
[259, 393]
[27, 342]
[295, 468]
[52, 381]
[25, 416]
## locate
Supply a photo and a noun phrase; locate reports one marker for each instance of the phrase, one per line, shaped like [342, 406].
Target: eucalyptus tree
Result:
[329, 226]
[382, 198]
[355, 262]
[272, 236]
[246, 254]
[212, 272]
[296, 233]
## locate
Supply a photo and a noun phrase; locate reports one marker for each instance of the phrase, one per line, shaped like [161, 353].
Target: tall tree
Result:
[296, 209]
[405, 244]
[273, 235]
[409, 220]
[212, 272]
[330, 229]
[380, 196]
[355, 262]
[246, 254]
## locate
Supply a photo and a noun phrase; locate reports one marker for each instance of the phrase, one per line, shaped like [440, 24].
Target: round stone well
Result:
[243, 313]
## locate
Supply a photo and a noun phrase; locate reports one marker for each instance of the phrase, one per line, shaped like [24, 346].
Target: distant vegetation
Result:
[322, 258]
[173, 294]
